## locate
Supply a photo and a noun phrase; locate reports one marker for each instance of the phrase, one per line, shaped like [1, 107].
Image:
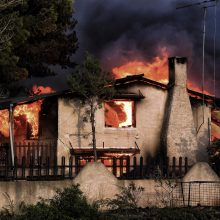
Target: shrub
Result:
[67, 204]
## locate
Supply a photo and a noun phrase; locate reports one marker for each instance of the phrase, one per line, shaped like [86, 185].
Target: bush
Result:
[67, 204]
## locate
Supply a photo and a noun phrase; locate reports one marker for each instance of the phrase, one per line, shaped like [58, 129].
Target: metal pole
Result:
[11, 132]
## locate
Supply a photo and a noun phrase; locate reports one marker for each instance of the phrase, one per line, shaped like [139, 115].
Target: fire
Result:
[194, 87]
[118, 114]
[127, 107]
[156, 70]
[4, 128]
[27, 112]
[31, 111]
[42, 90]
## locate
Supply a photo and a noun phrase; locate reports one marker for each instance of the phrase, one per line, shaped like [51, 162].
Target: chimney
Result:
[179, 132]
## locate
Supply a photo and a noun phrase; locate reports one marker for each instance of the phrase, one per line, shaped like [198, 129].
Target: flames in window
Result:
[26, 117]
[119, 114]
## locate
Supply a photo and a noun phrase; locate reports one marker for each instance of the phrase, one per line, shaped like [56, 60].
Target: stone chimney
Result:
[179, 132]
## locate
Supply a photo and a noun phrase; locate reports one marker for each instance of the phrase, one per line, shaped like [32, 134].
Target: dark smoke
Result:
[117, 31]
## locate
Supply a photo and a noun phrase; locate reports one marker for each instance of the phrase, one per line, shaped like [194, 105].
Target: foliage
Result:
[214, 155]
[67, 204]
[127, 199]
[93, 86]
[165, 191]
[42, 34]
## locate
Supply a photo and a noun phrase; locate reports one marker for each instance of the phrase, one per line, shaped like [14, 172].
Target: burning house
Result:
[145, 117]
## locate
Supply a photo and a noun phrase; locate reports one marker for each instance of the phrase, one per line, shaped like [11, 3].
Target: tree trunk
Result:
[92, 120]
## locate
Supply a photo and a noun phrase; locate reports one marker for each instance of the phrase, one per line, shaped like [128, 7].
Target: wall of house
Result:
[149, 118]
[202, 120]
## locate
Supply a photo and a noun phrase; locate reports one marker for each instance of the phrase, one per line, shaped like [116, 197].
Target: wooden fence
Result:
[124, 168]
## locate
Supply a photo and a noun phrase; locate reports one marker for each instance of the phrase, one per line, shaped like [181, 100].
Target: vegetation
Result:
[93, 86]
[70, 204]
[37, 34]
[67, 204]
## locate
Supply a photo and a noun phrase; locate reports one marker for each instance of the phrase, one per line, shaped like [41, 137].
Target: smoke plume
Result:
[119, 31]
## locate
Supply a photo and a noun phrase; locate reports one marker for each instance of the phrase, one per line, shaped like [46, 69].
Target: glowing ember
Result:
[156, 70]
[118, 114]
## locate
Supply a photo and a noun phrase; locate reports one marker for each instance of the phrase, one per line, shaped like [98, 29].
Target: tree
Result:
[8, 23]
[93, 86]
[41, 34]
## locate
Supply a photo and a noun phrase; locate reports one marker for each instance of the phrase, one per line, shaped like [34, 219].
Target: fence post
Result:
[39, 165]
[167, 167]
[23, 167]
[70, 167]
[55, 166]
[180, 167]
[47, 167]
[121, 166]
[127, 166]
[135, 167]
[141, 167]
[186, 165]
[15, 168]
[76, 165]
[63, 167]
[174, 167]
[31, 166]
[114, 168]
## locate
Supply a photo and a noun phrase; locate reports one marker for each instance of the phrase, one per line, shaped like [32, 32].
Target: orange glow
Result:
[194, 87]
[155, 70]
[28, 112]
[31, 111]
[42, 90]
[118, 114]
[127, 107]
[4, 128]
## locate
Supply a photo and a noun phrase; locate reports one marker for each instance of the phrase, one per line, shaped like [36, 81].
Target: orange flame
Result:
[156, 70]
[4, 128]
[30, 111]
[42, 90]
[194, 87]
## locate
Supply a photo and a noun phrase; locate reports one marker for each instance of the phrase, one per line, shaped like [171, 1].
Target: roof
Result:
[140, 79]
[119, 83]
[5, 103]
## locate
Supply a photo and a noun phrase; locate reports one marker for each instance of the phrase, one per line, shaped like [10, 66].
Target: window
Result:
[120, 114]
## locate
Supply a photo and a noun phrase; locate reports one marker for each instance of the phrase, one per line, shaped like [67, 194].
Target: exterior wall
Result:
[149, 119]
[203, 128]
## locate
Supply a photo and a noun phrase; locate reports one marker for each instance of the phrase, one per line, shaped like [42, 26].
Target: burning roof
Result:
[140, 79]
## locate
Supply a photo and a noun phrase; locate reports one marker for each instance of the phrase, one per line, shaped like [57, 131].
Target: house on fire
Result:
[144, 118]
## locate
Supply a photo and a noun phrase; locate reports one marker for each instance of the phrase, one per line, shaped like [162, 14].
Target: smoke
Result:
[118, 31]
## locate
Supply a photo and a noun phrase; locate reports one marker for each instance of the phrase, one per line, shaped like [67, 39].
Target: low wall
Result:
[29, 191]
[98, 183]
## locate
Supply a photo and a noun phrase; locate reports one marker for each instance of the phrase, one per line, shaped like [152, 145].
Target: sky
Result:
[119, 31]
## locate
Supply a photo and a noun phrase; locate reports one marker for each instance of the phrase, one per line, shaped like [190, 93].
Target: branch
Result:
[5, 4]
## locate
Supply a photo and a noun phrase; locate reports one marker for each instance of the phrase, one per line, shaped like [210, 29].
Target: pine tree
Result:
[41, 33]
